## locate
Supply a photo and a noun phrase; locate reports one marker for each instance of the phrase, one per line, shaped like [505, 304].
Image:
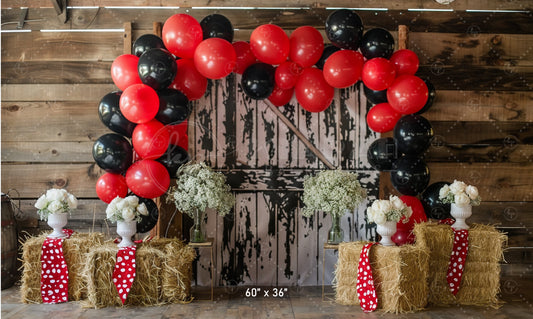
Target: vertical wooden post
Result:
[127, 37]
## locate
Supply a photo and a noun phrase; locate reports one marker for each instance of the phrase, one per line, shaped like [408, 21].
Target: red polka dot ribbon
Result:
[124, 272]
[366, 292]
[54, 270]
[457, 259]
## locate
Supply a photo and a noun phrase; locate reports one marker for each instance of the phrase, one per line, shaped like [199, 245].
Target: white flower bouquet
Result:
[391, 210]
[198, 187]
[460, 194]
[125, 209]
[333, 192]
[55, 201]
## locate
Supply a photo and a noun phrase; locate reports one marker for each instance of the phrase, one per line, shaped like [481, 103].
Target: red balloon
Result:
[313, 92]
[245, 56]
[307, 45]
[280, 97]
[378, 74]
[181, 35]
[178, 135]
[418, 215]
[287, 74]
[270, 44]
[147, 178]
[343, 68]
[405, 62]
[110, 186]
[150, 140]
[402, 237]
[214, 58]
[382, 118]
[124, 71]
[188, 80]
[139, 103]
[408, 94]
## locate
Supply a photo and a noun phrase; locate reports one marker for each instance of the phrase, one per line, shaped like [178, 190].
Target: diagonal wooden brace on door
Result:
[61, 9]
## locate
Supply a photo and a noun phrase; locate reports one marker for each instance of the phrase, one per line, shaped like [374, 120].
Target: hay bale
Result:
[399, 276]
[163, 275]
[480, 284]
[75, 251]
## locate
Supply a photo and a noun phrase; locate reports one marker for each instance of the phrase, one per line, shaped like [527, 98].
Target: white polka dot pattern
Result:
[457, 260]
[366, 292]
[124, 272]
[54, 270]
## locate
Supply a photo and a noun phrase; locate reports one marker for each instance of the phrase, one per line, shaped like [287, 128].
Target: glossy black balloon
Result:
[110, 115]
[382, 154]
[328, 50]
[174, 157]
[148, 222]
[146, 42]
[377, 43]
[157, 68]
[413, 134]
[258, 81]
[344, 29]
[375, 97]
[410, 175]
[433, 206]
[431, 97]
[217, 26]
[174, 107]
[113, 153]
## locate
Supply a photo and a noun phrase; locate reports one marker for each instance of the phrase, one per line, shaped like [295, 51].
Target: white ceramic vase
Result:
[126, 230]
[386, 231]
[460, 213]
[57, 222]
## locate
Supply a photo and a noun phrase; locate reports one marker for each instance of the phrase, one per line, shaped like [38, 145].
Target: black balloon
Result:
[413, 134]
[173, 107]
[157, 68]
[146, 42]
[433, 206]
[113, 153]
[258, 81]
[344, 29]
[328, 50]
[110, 115]
[377, 43]
[382, 153]
[148, 222]
[431, 97]
[376, 97]
[410, 175]
[217, 26]
[174, 157]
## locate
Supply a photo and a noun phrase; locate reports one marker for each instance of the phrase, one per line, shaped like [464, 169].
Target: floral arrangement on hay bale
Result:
[53, 208]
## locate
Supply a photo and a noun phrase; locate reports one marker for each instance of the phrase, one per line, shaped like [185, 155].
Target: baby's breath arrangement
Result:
[199, 187]
[333, 192]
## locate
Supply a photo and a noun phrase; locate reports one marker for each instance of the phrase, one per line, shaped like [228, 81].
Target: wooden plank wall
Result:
[480, 63]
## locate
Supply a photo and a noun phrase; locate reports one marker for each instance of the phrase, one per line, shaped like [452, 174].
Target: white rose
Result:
[72, 201]
[384, 206]
[461, 199]
[397, 203]
[41, 203]
[128, 214]
[380, 219]
[444, 191]
[375, 205]
[142, 209]
[132, 200]
[109, 211]
[472, 192]
[408, 212]
[55, 207]
[53, 194]
[121, 204]
[457, 187]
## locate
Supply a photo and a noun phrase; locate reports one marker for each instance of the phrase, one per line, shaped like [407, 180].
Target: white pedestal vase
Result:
[126, 230]
[460, 213]
[57, 222]
[386, 231]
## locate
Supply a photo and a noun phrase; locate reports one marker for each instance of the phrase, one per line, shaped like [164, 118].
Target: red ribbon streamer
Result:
[54, 270]
[124, 273]
[366, 292]
[457, 260]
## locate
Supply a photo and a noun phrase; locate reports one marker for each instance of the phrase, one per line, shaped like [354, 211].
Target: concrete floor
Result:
[298, 302]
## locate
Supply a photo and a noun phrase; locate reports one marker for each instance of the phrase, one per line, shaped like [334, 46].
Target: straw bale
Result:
[480, 283]
[399, 276]
[75, 250]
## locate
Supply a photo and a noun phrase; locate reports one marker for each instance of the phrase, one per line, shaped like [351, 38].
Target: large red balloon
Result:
[148, 178]
[287, 74]
[139, 103]
[307, 45]
[110, 186]
[280, 97]
[245, 56]
[214, 58]
[178, 134]
[150, 140]
[405, 62]
[382, 118]
[181, 35]
[343, 68]
[408, 94]
[188, 80]
[270, 44]
[418, 215]
[378, 74]
[124, 71]
[313, 92]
